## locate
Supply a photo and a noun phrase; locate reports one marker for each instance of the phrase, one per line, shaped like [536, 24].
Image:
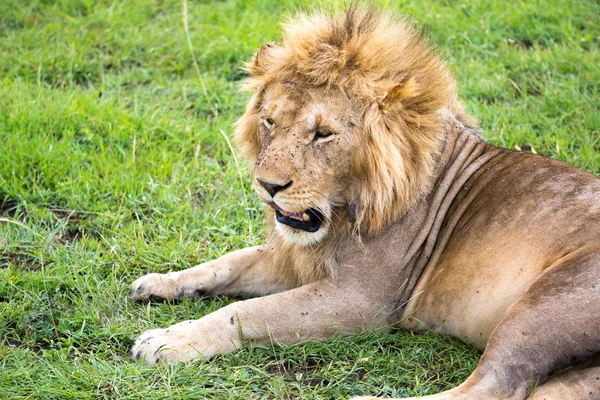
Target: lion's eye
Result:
[321, 134]
[269, 122]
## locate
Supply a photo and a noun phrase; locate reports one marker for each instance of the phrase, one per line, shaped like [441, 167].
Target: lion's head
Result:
[344, 122]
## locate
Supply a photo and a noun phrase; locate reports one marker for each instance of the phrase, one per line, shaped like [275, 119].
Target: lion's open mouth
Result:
[309, 220]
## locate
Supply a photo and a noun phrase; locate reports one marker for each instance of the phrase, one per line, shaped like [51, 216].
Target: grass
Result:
[113, 163]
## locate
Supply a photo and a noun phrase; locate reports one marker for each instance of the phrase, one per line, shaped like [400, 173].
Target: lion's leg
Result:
[553, 326]
[576, 384]
[247, 272]
[579, 384]
[314, 311]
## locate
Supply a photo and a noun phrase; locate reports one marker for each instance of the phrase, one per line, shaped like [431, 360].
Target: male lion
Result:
[386, 208]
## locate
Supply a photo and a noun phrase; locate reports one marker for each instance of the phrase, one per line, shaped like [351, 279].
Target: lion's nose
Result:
[273, 188]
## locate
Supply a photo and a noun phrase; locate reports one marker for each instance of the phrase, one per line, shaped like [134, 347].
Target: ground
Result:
[115, 161]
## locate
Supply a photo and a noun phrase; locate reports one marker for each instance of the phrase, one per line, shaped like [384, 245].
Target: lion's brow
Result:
[294, 123]
[292, 84]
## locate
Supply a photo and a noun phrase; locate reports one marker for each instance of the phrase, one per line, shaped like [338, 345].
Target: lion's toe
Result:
[155, 287]
[165, 345]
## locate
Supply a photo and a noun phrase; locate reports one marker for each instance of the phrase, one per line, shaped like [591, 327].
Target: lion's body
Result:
[508, 226]
[387, 208]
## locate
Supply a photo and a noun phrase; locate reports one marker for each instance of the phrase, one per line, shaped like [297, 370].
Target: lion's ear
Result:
[258, 65]
[402, 90]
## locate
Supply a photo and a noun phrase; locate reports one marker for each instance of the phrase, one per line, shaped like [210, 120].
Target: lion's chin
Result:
[299, 236]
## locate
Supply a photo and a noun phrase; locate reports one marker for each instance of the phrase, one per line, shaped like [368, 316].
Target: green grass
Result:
[113, 164]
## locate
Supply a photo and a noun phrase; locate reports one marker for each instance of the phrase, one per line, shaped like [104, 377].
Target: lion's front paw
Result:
[177, 343]
[158, 287]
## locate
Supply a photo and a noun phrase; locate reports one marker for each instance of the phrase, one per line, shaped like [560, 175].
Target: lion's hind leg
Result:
[553, 326]
[575, 384]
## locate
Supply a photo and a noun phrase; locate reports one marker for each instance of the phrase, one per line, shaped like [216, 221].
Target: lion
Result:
[386, 208]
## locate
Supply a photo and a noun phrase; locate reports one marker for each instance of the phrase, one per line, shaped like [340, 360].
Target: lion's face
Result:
[301, 172]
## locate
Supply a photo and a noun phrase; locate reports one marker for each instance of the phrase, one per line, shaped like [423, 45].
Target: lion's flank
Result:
[395, 80]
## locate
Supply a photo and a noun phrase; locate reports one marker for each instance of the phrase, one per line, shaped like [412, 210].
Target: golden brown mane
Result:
[396, 82]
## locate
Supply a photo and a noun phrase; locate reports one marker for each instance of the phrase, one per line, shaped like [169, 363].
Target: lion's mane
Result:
[398, 84]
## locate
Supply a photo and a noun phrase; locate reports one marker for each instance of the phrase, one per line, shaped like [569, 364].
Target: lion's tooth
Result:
[305, 217]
